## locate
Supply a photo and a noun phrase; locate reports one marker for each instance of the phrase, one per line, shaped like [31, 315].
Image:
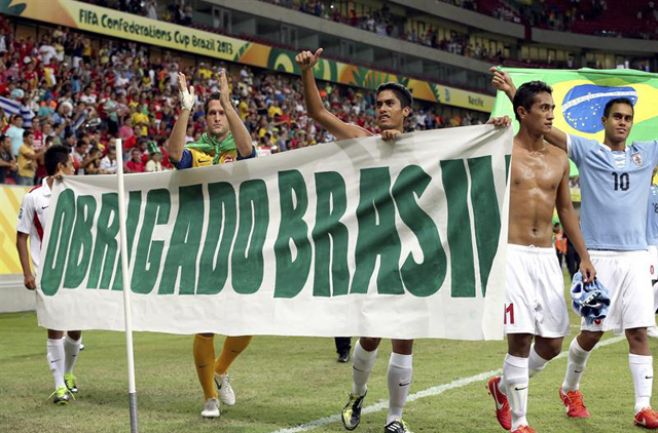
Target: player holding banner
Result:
[613, 182]
[62, 350]
[535, 307]
[226, 139]
[393, 107]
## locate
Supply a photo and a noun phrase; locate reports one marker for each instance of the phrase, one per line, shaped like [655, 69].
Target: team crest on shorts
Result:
[637, 159]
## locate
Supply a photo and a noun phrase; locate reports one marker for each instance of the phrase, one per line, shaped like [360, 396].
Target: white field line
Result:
[429, 392]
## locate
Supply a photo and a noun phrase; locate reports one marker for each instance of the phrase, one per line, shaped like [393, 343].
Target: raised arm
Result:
[235, 124]
[339, 129]
[503, 82]
[569, 221]
[176, 142]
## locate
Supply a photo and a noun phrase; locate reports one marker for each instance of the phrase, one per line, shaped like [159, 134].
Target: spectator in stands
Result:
[110, 88]
[79, 155]
[135, 164]
[155, 161]
[27, 160]
[15, 133]
[108, 164]
[8, 165]
[92, 163]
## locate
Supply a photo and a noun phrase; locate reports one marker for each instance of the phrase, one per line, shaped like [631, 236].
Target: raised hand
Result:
[224, 92]
[186, 94]
[307, 59]
[502, 81]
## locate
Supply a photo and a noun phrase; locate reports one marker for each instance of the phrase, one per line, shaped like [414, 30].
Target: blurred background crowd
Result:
[69, 88]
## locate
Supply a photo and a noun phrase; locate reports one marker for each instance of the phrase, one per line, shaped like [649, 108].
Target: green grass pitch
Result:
[281, 382]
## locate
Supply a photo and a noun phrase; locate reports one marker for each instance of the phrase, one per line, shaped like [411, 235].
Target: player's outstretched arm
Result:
[569, 221]
[235, 124]
[176, 142]
[316, 109]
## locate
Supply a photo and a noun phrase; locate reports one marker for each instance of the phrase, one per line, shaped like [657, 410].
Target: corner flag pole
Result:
[125, 279]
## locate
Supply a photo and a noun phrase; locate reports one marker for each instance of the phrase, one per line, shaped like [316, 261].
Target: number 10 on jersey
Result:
[622, 181]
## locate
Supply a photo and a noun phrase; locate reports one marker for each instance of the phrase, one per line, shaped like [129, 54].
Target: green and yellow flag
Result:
[581, 95]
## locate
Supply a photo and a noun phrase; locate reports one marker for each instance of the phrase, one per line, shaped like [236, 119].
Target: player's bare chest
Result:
[532, 171]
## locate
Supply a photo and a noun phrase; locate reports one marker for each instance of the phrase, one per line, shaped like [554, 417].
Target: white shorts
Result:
[626, 276]
[534, 301]
[653, 262]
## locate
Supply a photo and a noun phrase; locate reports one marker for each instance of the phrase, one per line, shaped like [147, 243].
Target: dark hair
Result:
[610, 103]
[525, 95]
[80, 142]
[27, 132]
[402, 93]
[213, 97]
[55, 155]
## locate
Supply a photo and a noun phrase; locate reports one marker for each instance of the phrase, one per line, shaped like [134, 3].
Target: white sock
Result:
[535, 362]
[515, 375]
[56, 358]
[71, 349]
[575, 366]
[400, 370]
[642, 371]
[362, 363]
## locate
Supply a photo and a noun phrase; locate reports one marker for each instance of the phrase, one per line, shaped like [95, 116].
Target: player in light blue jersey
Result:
[652, 231]
[652, 240]
[613, 182]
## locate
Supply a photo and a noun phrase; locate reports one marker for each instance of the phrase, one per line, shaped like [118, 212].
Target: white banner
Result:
[360, 237]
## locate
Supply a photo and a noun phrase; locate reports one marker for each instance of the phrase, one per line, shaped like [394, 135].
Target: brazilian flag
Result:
[580, 97]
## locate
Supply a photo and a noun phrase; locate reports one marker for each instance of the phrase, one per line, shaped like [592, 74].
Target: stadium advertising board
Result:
[358, 237]
[136, 28]
[10, 197]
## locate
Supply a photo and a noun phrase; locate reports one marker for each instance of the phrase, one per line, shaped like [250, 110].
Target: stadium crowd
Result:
[634, 18]
[67, 88]
[637, 20]
[384, 23]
